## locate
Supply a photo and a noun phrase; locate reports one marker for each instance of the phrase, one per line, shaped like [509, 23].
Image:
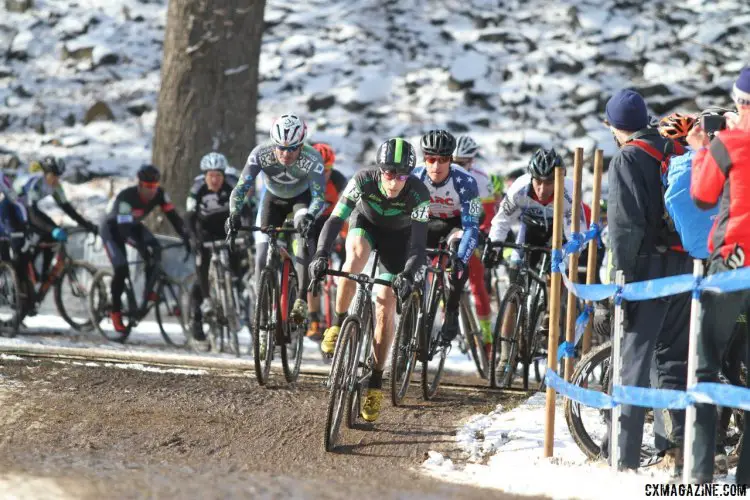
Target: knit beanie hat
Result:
[626, 110]
[741, 91]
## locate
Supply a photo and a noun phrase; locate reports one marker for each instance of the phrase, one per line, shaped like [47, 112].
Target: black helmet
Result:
[543, 163]
[51, 165]
[148, 173]
[438, 142]
[397, 155]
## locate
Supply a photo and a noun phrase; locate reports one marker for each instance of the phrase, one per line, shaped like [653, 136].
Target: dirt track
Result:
[95, 432]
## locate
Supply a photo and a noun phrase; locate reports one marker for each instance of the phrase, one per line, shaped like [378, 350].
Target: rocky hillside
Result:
[80, 78]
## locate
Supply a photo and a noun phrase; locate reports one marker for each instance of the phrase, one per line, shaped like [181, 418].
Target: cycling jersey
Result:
[486, 196]
[130, 209]
[456, 197]
[520, 202]
[282, 181]
[409, 209]
[34, 189]
[206, 211]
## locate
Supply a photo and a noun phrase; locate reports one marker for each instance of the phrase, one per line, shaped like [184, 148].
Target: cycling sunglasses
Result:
[150, 185]
[437, 159]
[289, 149]
[463, 162]
[391, 175]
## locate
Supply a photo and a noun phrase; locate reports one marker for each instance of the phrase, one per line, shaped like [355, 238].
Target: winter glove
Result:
[231, 226]
[457, 265]
[318, 267]
[736, 258]
[489, 256]
[304, 225]
[187, 245]
[59, 234]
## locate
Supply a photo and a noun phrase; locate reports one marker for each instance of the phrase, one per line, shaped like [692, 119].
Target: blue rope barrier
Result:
[567, 349]
[727, 396]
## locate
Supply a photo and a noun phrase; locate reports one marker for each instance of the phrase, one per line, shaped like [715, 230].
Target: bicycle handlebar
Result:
[522, 246]
[12, 236]
[270, 230]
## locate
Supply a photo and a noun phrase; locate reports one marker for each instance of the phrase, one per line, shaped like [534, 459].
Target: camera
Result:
[713, 123]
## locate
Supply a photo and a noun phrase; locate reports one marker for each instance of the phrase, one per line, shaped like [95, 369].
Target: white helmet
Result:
[288, 130]
[214, 161]
[466, 147]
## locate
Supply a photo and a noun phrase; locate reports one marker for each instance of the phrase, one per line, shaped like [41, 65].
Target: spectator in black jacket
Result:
[654, 329]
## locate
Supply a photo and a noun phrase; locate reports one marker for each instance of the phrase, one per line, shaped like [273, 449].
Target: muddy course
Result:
[77, 431]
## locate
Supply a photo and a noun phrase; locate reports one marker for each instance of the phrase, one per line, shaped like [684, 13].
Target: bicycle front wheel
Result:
[169, 314]
[294, 334]
[71, 294]
[505, 351]
[473, 336]
[593, 371]
[404, 352]
[11, 301]
[433, 361]
[100, 307]
[342, 370]
[264, 327]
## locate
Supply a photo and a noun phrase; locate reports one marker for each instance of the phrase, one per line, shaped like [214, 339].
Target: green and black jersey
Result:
[364, 192]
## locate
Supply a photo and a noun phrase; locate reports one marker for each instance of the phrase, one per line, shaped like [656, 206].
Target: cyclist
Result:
[45, 181]
[123, 224]
[464, 155]
[454, 211]
[389, 211]
[529, 201]
[206, 213]
[12, 219]
[335, 184]
[294, 180]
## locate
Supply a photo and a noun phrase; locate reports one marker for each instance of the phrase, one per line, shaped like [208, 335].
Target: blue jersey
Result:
[457, 196]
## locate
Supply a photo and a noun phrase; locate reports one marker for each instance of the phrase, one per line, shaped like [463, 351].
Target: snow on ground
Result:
[504, 451]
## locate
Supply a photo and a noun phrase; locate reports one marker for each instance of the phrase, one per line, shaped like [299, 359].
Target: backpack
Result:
[687, 225]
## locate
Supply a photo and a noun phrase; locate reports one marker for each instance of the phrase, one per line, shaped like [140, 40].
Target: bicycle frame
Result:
[59, 262]
[138, 311]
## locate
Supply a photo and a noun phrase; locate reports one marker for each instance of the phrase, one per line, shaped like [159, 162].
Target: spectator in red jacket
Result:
[721, 174]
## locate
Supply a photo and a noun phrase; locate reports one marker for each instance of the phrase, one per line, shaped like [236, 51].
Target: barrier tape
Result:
[567, 349]
[728, 396]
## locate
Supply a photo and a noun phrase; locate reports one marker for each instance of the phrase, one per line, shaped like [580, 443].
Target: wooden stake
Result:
[554, 312]
[575, 226]
[592, 268]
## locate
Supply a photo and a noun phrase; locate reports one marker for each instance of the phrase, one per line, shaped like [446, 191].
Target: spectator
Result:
[654, 329]
[721, 171]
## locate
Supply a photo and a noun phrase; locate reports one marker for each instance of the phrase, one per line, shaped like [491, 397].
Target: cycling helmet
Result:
[326, 151]
[438, 142]
[466, 147]
[52, 165]
[288, 130]
[397, 155]
[214, 161]
[148, 173]
[676, 125]
[543, 163]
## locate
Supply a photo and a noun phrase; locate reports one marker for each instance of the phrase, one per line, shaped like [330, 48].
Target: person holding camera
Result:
[721, 175]
[654, 330]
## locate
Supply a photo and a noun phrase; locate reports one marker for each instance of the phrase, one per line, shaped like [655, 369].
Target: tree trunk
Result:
[209, 89]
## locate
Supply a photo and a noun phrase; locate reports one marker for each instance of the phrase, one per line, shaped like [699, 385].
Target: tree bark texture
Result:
[209, 88]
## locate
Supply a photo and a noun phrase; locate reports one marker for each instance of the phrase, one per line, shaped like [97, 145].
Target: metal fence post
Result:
[696, 313]
[614, 441]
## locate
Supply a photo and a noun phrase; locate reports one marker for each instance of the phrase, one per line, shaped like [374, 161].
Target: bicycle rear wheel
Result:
[71, 294]
[100, 307]
[501, 370]
[169, 313]
[294, 334]
[264, 327]
[10, 301]
[232, 314]
[342, 370]
[404, 352]
[433, 355]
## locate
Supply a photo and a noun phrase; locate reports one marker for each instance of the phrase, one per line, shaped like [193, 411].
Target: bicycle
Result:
[417, 336]
[471, 339]
[167, 305]
[70, 279]
[10, 292]
[276, 293]
[353, 358]
[588, 425]
[528, 294]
